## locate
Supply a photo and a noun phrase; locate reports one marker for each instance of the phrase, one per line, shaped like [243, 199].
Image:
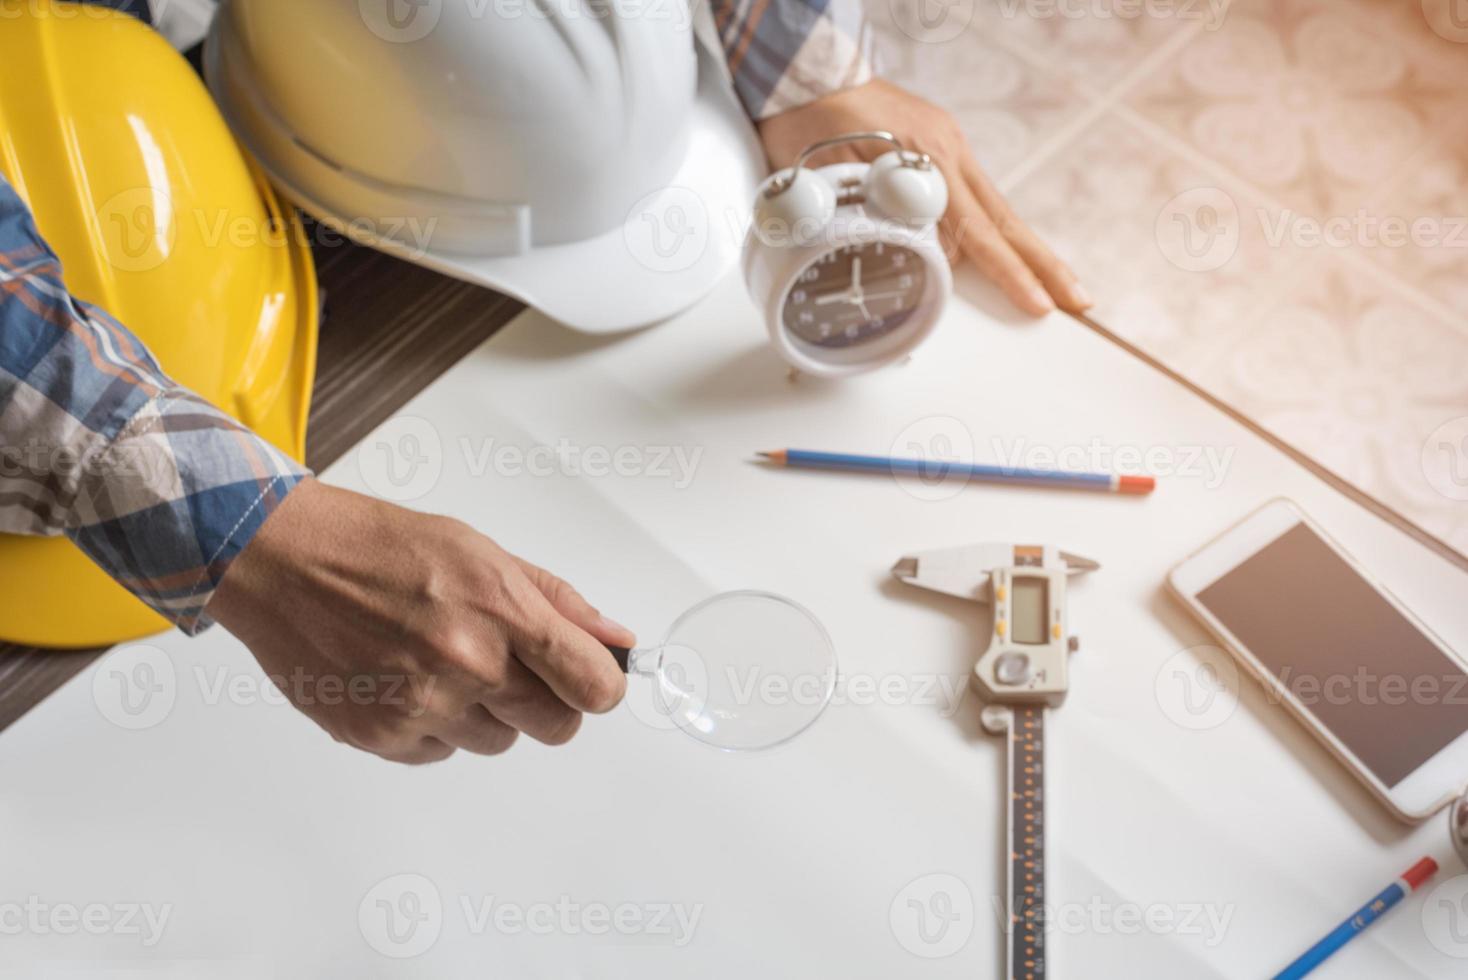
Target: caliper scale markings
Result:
[1027, 844]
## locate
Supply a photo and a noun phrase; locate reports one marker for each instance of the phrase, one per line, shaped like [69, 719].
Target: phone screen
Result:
[1358, 665]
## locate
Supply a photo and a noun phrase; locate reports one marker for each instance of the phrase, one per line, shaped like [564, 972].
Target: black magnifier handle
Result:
[620, 654]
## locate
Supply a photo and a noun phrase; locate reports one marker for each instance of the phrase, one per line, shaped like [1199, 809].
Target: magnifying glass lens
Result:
[742, 670]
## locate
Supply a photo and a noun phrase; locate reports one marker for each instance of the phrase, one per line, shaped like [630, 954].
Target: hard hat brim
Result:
[673, 247]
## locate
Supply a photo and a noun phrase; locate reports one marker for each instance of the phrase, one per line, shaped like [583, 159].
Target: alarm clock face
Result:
[855, 294]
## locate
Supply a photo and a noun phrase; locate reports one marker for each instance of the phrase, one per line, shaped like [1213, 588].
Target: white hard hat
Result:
[583, 156]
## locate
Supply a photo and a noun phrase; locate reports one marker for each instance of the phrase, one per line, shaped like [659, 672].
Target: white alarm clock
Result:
[844, 260]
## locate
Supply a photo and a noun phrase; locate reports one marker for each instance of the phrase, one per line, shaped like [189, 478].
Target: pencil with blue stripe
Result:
[1373, 910]
[940, 469]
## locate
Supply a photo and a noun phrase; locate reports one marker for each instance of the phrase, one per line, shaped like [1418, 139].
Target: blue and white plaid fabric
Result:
[785, 53]
[157, 486]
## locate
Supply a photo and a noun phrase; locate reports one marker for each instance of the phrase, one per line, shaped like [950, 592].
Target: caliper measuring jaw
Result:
[1023, 671]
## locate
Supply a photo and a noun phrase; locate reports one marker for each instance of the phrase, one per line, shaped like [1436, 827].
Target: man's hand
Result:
[450, 641]
[978, 224]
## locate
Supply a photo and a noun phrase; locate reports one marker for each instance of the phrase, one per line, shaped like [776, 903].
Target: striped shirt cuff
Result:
[786, 53]
[174, 500]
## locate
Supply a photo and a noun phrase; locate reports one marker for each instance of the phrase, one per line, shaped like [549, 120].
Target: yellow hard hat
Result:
[161, 220]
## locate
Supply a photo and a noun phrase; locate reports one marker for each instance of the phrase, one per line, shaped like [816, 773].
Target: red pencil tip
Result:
[1136, 484]
[1420, 872]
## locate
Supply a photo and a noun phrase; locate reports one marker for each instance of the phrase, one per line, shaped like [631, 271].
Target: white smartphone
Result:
[1384, 694]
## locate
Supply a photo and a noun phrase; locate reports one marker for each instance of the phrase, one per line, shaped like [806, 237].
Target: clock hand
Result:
[844, 295]
[856, 274]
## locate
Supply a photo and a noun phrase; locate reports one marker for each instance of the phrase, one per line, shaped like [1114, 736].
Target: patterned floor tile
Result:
[1352, 371]
[1008, 107]
[1427, 246]
[1316, 102]
[1174, 253]
[1097, 43]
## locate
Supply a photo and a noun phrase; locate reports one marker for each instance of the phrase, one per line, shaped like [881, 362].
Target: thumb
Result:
[574, 607]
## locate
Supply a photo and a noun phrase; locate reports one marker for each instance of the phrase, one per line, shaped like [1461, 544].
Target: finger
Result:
[416, 752]
[1059, 279]
[478, 731]
[572, 605]
[525, 702]
[971, 232]
[573, 663]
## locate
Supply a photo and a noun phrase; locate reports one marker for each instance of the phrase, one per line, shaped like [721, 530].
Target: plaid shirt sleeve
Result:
[785, 53]
[157, 486]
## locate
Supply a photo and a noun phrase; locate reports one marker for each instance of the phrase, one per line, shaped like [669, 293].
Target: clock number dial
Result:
[855, 294]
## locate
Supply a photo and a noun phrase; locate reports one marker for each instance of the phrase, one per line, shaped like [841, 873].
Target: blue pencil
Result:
[937, 469]
[1369, 913]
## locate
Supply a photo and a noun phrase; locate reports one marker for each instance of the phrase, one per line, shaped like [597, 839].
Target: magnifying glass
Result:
[740, 670]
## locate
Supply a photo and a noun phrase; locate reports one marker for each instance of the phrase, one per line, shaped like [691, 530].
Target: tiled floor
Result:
[1270, 196]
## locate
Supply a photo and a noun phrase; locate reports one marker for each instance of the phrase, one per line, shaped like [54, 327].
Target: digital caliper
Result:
[1023, 671]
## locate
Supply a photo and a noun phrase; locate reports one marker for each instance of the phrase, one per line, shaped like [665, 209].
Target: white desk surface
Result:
[264, 839]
